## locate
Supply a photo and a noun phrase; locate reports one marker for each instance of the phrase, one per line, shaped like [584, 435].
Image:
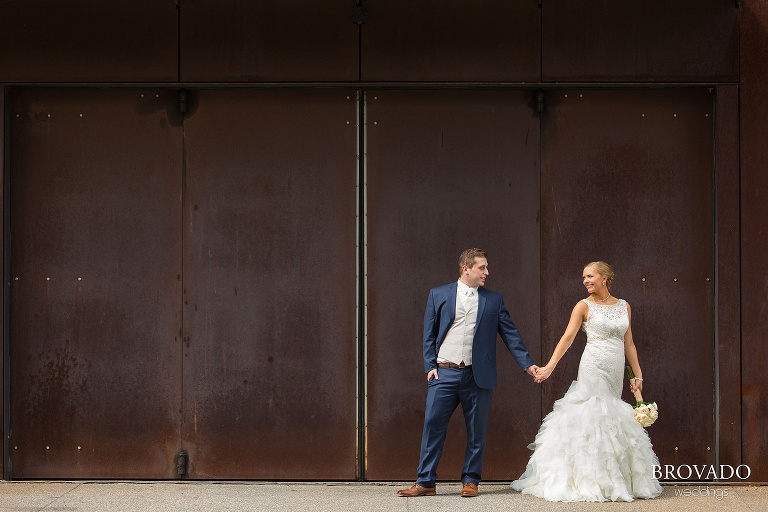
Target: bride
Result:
[590, 448]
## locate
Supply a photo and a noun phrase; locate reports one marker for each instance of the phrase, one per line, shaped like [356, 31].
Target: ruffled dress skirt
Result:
[590, 448]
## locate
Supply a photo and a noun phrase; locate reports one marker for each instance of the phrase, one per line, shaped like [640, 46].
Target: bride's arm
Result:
[630, 351]
[578, 315]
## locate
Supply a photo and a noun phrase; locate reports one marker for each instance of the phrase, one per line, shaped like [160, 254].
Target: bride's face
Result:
[592, 280]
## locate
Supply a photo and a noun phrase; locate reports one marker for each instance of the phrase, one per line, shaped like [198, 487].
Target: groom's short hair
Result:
[468, 257]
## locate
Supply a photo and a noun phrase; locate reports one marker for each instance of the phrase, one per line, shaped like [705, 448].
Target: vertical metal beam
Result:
[362, 355]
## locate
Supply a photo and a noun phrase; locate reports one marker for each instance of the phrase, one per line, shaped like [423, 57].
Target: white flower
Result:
[654, 411]
[646, 414]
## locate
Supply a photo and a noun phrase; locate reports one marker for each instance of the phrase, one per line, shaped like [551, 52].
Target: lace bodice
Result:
[606, 320]
[602, 363]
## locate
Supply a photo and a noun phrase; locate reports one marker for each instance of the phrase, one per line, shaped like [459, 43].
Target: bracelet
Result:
[637, 378]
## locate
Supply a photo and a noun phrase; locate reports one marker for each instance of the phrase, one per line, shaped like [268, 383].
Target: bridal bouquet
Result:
[645, 412]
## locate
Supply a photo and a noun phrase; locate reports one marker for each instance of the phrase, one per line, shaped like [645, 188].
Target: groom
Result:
[460, 326]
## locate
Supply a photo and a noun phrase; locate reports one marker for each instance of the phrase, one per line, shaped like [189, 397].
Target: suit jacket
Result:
[492, 318]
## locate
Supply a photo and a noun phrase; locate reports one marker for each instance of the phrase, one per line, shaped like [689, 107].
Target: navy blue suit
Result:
[471, 387]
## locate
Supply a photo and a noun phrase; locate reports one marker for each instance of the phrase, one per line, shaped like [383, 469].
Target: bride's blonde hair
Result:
[604, 270]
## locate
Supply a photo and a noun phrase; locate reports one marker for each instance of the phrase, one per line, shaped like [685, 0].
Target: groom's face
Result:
[476, 275]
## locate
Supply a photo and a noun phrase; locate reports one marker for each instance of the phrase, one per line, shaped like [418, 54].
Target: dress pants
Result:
[453, 387]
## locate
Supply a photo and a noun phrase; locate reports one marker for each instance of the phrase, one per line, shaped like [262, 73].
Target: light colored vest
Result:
[457, 346]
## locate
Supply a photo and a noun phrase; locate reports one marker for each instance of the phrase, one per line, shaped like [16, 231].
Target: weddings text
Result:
[718, 494]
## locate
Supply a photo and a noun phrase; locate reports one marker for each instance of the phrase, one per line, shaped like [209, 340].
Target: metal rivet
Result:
[565, 95]
[674, 115]
[157, 95]
[142, 95]
[78, 448]
[347, 122]
[675, 279]
[47, 447]
[675, 448]
[79, 278]
[16, 278]
[49, 115]
[707, 279]
[708, 448]
[15, 447]
[581, 95]
[642, 115]
[47, 278]
[347, 97]
[643, 279]
[81, 115]
[706, 115]
[375, 122]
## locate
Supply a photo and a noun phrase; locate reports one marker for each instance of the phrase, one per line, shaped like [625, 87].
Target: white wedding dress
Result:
[590, 448]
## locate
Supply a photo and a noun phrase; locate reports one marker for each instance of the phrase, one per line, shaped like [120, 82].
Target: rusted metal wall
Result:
[650, 41]
[627, 178]
[460, 40]
[88, 40]
[241, 41]
[246, 40]
[270, 347]
[447, 170]
[728, 388]
[95, 283]
[754, 244]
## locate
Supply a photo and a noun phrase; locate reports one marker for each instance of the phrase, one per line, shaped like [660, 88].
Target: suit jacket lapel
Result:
[446, 321]
[451, 299]
[480, 306]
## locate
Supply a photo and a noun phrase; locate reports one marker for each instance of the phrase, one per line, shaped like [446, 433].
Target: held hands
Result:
[542, 374]
[636, 384]
[533, 370]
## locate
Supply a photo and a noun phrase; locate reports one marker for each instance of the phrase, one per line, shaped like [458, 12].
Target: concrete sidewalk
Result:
[94, 496]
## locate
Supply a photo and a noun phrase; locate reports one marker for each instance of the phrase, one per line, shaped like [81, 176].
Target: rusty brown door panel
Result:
[627, 177]
[461, 40]
[753, 89]
[729, 350]
[447, 170]
[259, 41]
[4, 352]
[88, 40]
[95, 283]
[656, 41]
[270, 347]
